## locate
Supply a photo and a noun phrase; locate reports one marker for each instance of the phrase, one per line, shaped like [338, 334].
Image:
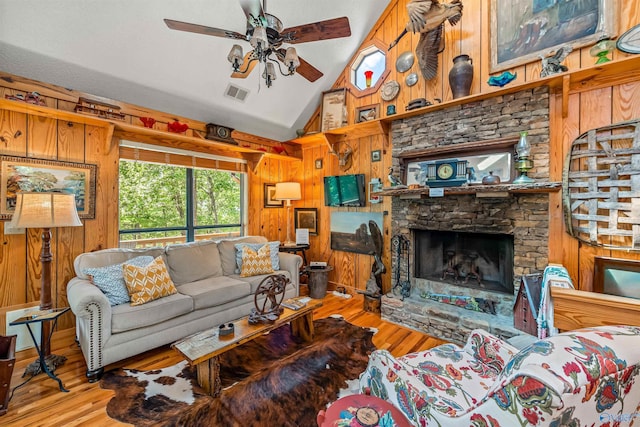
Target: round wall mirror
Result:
[369, 69]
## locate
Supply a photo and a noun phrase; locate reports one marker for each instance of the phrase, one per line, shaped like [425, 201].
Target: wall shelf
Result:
[499, 190]
[619, 71]
[355, 131]
[157, 137]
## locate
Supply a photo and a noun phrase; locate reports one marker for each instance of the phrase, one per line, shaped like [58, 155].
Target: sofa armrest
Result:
[489, 349]
[93, 319]
[291, 263]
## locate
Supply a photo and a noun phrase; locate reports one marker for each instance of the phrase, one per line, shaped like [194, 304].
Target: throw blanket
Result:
[554, 275]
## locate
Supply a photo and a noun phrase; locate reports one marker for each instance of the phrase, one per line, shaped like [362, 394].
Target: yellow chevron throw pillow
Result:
[148, 283]
[256, 262]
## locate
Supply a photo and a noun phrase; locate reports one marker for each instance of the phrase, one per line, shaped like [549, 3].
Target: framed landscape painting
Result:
[23, 174]
[307, 218]
[524, 30]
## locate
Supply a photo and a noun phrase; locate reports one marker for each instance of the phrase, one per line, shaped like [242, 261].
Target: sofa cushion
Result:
[214, 291]
[273, 246]
[110, 279]
[193, 261]
[256, 262]
[111, 256]
[148, 283]
[227, 251]
[254, 281]
[126, 317]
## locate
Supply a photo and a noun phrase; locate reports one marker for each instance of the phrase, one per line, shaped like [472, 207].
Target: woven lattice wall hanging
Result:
[601, 186]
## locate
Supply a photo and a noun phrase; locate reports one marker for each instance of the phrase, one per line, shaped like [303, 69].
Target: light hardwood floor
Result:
[40, 403]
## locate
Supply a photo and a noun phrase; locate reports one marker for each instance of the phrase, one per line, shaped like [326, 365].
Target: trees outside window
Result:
[161, 204]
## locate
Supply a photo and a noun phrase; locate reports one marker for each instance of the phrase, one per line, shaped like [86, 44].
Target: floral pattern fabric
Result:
[578, 378]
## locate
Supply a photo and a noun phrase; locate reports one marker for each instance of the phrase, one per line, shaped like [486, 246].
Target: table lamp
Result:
[288, 191]
[45, 211]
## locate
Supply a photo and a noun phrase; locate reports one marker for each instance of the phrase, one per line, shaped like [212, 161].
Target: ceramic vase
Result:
[461, 76]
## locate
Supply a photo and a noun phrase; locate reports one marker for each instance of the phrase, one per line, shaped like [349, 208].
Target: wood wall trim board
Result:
[575, 309]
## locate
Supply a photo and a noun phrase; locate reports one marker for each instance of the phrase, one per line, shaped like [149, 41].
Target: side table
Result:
[318, 278]
[365, 410]
[294, 249]
[42, 364]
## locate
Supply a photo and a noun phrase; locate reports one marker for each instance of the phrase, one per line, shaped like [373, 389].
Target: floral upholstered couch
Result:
[579, 378]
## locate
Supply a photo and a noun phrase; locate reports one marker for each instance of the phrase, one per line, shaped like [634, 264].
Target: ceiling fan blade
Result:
[250, 62]
[305, 69]
[253, 11]
[323, 30]
[201, 29]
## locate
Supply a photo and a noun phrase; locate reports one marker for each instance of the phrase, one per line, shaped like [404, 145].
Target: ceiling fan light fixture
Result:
[291, 59]
[269, 73]
[259, 40]
[236, 57]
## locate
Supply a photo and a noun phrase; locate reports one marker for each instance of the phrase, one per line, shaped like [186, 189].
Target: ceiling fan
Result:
[266, 35]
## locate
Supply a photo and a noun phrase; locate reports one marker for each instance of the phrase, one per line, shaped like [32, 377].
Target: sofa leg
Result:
[95, 375]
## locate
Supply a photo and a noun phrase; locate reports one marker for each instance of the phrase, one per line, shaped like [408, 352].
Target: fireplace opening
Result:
[475, 260]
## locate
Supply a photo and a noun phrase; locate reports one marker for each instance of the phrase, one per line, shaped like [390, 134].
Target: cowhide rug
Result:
[275, 380]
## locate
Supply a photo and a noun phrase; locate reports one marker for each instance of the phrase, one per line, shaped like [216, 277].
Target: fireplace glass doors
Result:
[476, 260]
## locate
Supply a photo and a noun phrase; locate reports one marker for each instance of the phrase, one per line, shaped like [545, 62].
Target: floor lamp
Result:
[45, 211]
[288, 191]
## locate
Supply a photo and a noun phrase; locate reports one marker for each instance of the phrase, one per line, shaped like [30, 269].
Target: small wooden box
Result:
[525, 309]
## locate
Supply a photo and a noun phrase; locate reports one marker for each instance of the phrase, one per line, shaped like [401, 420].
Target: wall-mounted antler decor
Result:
[601, 186]
[344, 158]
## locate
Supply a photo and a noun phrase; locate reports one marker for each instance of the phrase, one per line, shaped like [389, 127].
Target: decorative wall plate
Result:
[389, 90]
[404, 61]
[629, 42]
[411, 79]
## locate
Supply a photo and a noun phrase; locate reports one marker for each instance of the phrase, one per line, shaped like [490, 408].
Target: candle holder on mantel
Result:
[524, 163]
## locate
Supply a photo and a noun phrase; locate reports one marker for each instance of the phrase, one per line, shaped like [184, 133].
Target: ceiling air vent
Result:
[236, 93]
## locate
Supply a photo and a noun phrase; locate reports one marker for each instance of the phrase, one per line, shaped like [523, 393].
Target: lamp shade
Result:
[287, 191]
[45, 210]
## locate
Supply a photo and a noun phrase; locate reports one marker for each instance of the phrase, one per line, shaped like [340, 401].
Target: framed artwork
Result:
[376, 155]
[616, 276]
[22, 174]
[354, 231]
[524, 30]
[307, 218]
[334, 111]
[367, 113]
[269, 201]
[318, 163]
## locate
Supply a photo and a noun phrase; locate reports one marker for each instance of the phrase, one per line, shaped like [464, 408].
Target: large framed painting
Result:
[22, 174]
[354, 231]
[524, 30]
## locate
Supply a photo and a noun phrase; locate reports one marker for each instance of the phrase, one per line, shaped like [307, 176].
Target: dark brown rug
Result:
[273, 381]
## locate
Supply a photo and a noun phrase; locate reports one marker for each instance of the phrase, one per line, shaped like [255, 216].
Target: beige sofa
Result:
[210, 292]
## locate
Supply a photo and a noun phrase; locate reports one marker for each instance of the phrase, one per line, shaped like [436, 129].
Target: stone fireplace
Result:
[468, 252]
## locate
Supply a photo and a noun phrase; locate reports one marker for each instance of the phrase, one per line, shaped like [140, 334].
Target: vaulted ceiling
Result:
[122, 49]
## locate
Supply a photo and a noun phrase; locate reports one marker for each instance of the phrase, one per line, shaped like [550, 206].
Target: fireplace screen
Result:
[477, 260]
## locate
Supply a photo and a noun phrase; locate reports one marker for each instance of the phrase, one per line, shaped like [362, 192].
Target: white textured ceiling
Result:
[121, 49]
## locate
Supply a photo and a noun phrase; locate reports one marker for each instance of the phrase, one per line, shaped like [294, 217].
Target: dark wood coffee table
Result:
[203, 349]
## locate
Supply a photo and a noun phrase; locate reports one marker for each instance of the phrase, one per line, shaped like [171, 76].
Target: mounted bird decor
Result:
[427, 17]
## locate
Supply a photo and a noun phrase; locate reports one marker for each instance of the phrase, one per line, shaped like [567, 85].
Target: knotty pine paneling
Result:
[472, 36]
[43, 138]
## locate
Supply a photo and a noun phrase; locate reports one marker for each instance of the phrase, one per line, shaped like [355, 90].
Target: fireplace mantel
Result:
[480, 190]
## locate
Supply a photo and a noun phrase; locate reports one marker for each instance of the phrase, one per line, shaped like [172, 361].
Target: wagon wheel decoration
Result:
[270, 291]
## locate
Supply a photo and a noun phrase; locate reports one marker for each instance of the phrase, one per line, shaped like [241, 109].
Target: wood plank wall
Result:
[471, 36]
[52, 139]
[46, 138]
